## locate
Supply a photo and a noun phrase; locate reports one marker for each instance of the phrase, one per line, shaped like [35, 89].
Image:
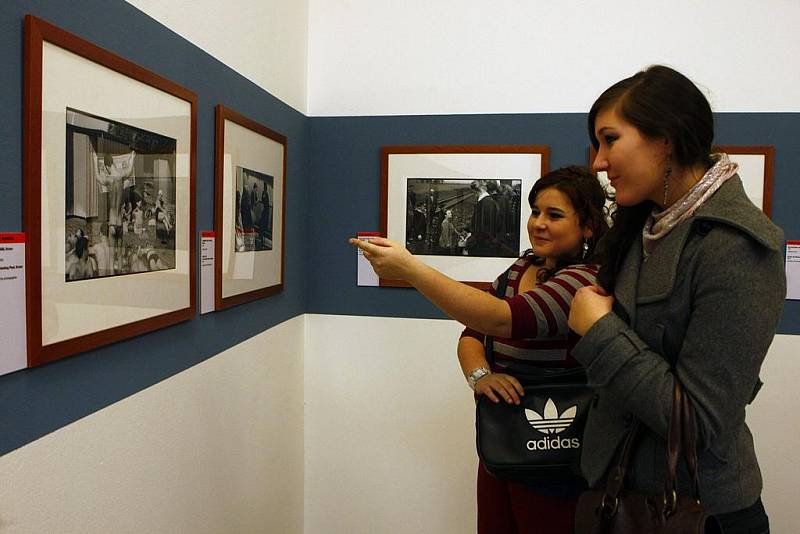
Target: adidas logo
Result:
[551, 422]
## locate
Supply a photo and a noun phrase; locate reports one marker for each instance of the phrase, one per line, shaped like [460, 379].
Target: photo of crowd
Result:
[120, 199]
[254, 210]
[463, 217]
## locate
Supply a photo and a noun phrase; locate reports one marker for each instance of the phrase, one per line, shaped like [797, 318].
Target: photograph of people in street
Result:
[463, 217]
[254, 193]
[120, 198]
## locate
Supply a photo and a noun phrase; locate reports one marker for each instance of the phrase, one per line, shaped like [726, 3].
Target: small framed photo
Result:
[249, 209]
[109, 169]
[463, 209]
[755, 170]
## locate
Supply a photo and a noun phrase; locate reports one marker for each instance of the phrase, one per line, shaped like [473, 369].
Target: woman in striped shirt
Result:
[529, 323]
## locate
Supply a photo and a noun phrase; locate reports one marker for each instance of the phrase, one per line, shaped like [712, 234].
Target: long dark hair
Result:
[581, 187]
[661, 103]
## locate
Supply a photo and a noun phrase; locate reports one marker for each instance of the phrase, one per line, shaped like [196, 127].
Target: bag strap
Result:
[675, 436]
[690, 443]
[682, 441]
[502, 284]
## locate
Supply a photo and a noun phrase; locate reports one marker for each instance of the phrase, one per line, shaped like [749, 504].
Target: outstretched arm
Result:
[467, 305]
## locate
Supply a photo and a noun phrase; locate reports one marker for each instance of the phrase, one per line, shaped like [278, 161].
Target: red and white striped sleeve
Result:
[542, 312]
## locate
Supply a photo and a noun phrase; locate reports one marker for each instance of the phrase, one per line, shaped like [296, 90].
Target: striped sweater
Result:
[539, 332]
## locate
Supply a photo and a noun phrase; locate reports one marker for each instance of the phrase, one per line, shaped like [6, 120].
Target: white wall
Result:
[372, 434]
[390, 436]
[265, 40]
[382, 57]
[215, 449]
[388, 428]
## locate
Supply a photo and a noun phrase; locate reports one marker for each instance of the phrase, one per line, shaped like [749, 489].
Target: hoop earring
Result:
[667, 176]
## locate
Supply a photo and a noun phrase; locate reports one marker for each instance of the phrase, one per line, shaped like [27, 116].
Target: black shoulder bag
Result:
[541, 438]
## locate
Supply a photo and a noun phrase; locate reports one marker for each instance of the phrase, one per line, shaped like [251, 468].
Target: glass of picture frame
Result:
[249, 211]
[109, 171]
[461, 209]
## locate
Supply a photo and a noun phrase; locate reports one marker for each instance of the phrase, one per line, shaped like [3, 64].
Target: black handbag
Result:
[541, 438]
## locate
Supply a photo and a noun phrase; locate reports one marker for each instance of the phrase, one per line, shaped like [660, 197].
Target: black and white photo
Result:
[463, 217]
[254, 210]
[249, 207]
[120, 198]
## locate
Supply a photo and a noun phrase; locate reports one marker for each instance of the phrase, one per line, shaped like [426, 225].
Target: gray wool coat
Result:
[707, 298]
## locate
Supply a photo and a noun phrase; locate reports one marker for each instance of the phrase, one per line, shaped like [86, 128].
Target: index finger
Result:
[363, 244]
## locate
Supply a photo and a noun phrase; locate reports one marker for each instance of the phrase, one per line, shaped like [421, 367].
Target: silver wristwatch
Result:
[476, 374]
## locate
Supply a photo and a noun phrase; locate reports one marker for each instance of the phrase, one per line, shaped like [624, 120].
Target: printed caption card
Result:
[793, 270]
[13, 330]
[366, 275]
[207, 239]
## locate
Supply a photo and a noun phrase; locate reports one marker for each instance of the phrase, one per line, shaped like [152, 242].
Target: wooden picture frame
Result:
[420, 184]
[130, 136]
[249, 209]
[756, 171]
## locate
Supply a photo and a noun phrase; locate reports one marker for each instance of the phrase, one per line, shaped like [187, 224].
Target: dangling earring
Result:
[667, 176]
[584, 248]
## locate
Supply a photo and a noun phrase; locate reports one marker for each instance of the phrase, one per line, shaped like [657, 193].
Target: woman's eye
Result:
[610, 140]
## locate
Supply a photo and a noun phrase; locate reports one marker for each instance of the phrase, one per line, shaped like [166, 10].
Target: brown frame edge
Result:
[223, 113]
[37, 31]
[768, 151]
[386, 151]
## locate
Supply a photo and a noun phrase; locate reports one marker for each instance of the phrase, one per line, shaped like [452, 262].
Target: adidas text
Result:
[548, 444]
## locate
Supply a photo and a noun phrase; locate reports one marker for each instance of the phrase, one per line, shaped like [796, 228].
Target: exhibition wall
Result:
[264, 41]
[372, 57]
[456, 72]
[216, 448]
[328, 407]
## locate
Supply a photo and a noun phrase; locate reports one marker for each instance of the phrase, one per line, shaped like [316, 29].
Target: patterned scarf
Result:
[661, 221]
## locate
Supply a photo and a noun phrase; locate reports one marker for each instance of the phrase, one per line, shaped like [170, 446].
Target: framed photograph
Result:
[463, 209]
[250, 197]
[109, 169]
[755, 170]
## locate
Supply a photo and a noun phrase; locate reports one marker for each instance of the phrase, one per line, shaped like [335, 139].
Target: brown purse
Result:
[616, 510]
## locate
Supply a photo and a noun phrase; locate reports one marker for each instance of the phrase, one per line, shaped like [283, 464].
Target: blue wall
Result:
[347, 151]
[37, 401]
[333, 190]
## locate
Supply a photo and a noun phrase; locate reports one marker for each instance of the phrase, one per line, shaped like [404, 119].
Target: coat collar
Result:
[729, 205]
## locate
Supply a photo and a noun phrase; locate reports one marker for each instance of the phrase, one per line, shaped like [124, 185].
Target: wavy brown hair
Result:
[581, 187]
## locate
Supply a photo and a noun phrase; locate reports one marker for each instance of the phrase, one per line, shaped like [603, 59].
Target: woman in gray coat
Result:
[692, 288]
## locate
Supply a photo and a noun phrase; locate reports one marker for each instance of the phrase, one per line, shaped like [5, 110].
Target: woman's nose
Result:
[600, 162]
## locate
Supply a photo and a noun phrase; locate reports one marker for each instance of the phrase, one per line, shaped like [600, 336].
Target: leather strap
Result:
[502, 284]
[681, 441]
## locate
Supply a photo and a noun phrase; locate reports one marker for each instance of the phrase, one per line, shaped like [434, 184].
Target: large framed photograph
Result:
[755, 170]
[462, 209]
[109, 168]
[249, 209]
